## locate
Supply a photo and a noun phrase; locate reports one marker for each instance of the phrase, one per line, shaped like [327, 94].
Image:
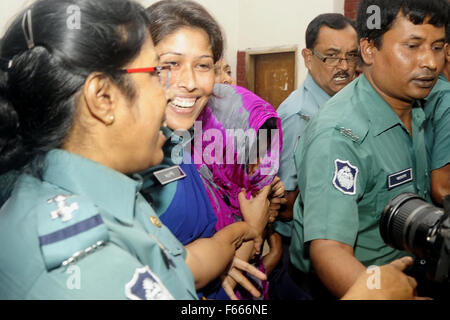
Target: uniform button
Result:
[156, 221]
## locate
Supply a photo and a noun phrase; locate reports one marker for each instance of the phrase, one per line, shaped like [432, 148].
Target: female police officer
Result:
[81, 104]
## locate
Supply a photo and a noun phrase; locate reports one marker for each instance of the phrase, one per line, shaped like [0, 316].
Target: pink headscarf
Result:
[234, 111]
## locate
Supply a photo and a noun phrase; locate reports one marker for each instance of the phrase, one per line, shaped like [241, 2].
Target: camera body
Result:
[410, 223]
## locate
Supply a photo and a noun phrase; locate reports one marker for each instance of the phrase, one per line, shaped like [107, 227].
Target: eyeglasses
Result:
[163, 73]
[352, 59]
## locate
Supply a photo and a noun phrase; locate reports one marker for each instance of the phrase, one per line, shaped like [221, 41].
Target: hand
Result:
[256, 210]
[277, 188]
[235, 276]
[271, 259]
[393, 284]
[274, 208]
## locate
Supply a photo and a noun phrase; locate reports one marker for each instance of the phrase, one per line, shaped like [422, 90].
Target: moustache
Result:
[341, 74]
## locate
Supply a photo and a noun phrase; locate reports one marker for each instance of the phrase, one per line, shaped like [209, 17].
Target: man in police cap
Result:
[367, 145]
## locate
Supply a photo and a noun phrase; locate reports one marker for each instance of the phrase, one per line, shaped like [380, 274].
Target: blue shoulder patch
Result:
[145, 285]
[68, 225]
[345, 177]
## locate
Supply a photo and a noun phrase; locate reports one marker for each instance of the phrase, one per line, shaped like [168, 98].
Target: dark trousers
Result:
[281, 285]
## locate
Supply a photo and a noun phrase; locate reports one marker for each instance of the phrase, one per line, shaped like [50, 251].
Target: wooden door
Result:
[274, 76]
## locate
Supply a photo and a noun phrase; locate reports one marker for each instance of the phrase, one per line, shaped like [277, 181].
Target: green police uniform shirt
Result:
[353, 158]
[85, 232]
[437, 129]
[295, 113]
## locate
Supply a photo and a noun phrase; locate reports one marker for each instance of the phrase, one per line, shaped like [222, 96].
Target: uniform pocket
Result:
[386, 195]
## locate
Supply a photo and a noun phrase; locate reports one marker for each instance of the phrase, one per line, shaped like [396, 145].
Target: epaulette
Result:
[69, 227]
[353, 126]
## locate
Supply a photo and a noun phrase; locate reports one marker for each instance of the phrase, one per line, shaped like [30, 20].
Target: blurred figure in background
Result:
[223, 72]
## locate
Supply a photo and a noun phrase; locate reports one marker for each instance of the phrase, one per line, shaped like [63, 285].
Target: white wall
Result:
[247, 24]
[8, 10]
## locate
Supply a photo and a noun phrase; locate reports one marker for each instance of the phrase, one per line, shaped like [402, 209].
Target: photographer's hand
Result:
[394, 284]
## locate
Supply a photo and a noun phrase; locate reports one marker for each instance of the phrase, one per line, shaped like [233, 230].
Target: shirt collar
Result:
[108, 189]
[319, 94]
[380, 113]
[442, 77]
[172, 140]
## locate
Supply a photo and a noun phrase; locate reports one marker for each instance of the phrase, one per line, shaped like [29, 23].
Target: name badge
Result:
[399, 178]
[168, 175]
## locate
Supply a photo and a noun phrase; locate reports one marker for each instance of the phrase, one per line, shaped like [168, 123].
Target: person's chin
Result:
[157, 158]
[420, 92]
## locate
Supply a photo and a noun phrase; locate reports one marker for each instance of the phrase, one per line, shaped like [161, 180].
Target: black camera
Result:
[410, 223]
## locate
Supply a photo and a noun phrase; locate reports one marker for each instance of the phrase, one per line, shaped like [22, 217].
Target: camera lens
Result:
[408, 223]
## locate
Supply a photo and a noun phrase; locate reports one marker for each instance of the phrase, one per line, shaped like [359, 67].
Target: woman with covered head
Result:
[204, 119]
[81, 106]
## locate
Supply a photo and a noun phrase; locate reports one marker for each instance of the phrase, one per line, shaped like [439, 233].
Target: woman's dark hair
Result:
[417, 11]
[167, 16]
[39, 82]
[334, 21]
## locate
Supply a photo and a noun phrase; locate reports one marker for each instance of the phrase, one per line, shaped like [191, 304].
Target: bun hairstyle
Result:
[45, 61]
[167, 16]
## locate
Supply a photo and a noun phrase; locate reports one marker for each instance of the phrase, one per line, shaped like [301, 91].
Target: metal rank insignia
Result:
[349, 133]
[156, 222]
[82, 253]
[64, 211]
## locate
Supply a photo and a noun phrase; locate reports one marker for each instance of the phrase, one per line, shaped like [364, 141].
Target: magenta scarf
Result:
[221, 159]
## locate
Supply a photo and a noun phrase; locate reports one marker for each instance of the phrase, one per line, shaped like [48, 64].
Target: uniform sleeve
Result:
[441, 148]
[292, 127]
[101, 275]
[331, 179]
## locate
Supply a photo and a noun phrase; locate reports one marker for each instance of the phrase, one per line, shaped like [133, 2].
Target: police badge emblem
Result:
[145, 285]
[345, 176]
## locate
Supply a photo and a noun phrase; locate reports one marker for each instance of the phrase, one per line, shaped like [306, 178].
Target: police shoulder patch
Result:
[345, 177]
[145, 285]
[68, 226]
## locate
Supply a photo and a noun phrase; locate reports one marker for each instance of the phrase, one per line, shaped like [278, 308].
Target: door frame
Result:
[250, 55]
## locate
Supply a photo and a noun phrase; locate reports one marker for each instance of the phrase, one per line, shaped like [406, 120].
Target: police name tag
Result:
[399, 178]
[168, 175]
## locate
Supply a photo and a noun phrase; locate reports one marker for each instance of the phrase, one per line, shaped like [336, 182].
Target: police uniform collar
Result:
[172, 140]
[380, 113]
[442, 77]
[108, 189]
[319, 94]
[442, 84]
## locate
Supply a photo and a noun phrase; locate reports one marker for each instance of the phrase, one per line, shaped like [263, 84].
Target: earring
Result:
[111, 119]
